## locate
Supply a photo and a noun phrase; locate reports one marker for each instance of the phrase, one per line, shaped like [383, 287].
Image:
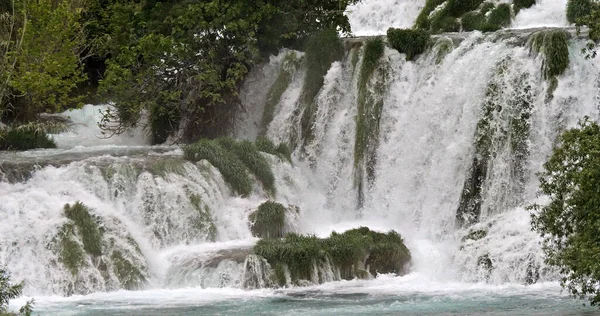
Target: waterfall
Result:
[463, 130]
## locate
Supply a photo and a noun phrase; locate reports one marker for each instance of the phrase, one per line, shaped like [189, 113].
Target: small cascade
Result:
[257, 273]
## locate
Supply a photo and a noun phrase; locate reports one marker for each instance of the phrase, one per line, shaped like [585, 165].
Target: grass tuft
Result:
[268, 220]
[409, 42]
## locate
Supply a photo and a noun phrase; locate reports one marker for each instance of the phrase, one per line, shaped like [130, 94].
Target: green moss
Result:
[268, 220]
[284, 78]
[475, 234]
[486, 7]
[578, 9]
[383, 253]
[266, 145]
[255, 162]
[369, 110]
[71, 252]
[322, 50]
[456, 8]
[472, 21]
[204, 222]
[279, 275]
[553, 45]
[229, 165]
[130, 277]
[86, 226]
[442, 48]
[409, 42]
[422, 21]
[441, 22]
[522, 4]
[24, 139]
[162, 167]
[500, 16]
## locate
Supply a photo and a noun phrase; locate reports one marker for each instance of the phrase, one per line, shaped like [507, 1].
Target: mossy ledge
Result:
[357, 253]
[86, 226]
[236, 160]
[24, 139]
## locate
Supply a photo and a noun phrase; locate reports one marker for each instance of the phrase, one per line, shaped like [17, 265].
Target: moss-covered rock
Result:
[351, 253]
[203, 223]
[229, 165]
[409, 42]
[553, 45]
[288, 67]
[422, 21]
[86, 227]
[71, 252]
[24, 139]
[322, 50]
[130, 276]
[500, 16]
[268, 221]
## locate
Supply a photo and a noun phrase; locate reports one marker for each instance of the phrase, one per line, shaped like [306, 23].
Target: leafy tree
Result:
[41, 42]
[9, 291]
[570, 222]
[182, 62]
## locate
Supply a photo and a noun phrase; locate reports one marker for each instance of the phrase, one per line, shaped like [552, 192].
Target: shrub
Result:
[500, 16]
[268, 220]
[253, 160]
[86, 226]
[409, 42]
[9, 291]
[24, 139]
[578, 9]
[229, 165]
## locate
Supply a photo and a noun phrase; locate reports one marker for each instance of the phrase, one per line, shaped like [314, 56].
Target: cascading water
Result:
[461, 133]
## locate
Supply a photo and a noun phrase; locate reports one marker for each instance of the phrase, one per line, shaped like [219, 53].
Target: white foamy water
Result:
[545, 13]
[374, 17]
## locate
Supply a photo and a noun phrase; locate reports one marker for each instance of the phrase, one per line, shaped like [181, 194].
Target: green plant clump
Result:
[578, 10]
[554, 47]
[383, 253]
[266, 145]
[268, 220]
[71, 253]
[322, 50]
[24, 139]
[230, 166]
[86, 226]
[422, 21]
[409, 42]
[255, 162]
